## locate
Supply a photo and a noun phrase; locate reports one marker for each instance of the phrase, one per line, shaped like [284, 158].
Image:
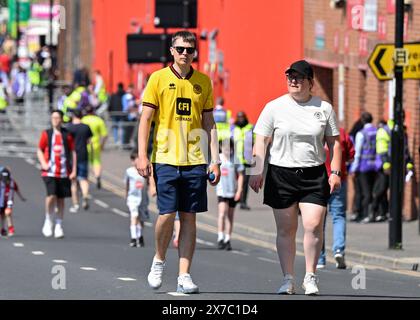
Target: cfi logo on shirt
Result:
[318, 115]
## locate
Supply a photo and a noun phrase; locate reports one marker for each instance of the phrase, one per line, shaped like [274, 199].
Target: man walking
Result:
[82, 135]
[180, 101]
[57, 156]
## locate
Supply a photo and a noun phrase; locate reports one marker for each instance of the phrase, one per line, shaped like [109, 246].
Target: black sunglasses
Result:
[294, 77]
[180, 50]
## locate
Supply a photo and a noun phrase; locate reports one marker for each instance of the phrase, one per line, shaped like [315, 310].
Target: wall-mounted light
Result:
[408, 5]
[334, 4]
[213, 34]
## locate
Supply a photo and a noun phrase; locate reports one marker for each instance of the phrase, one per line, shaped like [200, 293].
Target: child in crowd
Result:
[229, 191]
[137, 201]
[8, 187]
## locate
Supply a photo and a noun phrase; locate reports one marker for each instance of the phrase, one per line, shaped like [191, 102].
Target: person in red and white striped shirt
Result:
[8, 188]
[57, 156]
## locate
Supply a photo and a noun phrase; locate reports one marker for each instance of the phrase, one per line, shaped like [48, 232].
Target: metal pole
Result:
[397, 141]
[52, 71]
[17, 27]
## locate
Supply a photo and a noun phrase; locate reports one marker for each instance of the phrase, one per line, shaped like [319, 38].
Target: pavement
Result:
[367, 244]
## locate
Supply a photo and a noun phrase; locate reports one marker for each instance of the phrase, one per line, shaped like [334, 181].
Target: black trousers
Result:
[380, 202]
[245, 188]
[367, 180]
[357, 200]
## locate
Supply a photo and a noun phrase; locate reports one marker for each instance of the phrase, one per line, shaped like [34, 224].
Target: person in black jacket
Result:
[115, 110]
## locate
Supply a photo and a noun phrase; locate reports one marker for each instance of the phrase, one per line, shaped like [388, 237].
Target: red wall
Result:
[258, 42]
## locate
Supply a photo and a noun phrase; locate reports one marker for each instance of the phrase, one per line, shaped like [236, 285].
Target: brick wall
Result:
[75, 41]
[363, 91]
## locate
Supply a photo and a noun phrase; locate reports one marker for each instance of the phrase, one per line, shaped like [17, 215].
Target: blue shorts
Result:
[82, 170]
[181, 188]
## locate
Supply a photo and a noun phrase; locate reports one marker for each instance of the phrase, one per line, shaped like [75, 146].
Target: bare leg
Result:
[313, 216]
[60, 208]
[50, 203]
[222, 206]
[187, 238]
[229, 221]
[287, 223]
[84, 186]
[163, 234]
[74, 192]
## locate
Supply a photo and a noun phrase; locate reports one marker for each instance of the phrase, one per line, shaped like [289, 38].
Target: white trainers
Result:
[74, 208]
[47, 229]
[155, 275]
[288, 286]
[310, 284]
[186, 285]
[58, 231]
[340, 261]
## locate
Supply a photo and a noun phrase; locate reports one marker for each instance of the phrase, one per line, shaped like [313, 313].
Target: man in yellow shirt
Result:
[179, 100]
[99, 137]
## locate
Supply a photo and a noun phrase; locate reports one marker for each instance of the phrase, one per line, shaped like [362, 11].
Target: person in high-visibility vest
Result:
[72, 102]
[244, 140]
[222, 118]
[380, 204]
[34, 74]
[100, 88]
[3, 97]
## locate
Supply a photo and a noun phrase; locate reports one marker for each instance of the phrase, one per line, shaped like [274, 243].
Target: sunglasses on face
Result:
[295, 77]
[180, 50]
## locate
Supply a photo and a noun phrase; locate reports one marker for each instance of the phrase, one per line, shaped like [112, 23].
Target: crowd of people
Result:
[309, 160]
[19, 77]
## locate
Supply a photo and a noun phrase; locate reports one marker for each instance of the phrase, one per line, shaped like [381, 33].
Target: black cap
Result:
[302, 67]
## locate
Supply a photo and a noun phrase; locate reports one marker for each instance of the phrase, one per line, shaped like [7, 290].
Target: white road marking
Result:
[101, 204]
[88, 269]
[127, 279]
[120, 213]
[148, 224]
[30, 161]
[38, 253]
[59, 261]
[240, 253]
[18, 245]
[178, 294]
[268, 260]
[207, 243]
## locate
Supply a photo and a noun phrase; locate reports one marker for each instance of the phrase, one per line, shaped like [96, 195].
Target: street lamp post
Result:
[52, 71]
[397, 139]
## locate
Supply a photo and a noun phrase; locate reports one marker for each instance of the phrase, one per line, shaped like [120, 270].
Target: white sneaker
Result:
[320, 266]
[155, 275]
[58, 231]
[186, 285]
[340, 261]
[288, 286]
[47, 229]
[310, 284]
[74, 208]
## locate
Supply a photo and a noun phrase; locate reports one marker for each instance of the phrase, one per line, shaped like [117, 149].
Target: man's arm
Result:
[210, 127]
[143, 163]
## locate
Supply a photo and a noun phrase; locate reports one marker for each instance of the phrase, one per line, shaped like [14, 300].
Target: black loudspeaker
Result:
[176, 13]
[148, 48]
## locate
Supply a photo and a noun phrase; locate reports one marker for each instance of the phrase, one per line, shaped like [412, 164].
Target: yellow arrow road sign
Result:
[382, 61]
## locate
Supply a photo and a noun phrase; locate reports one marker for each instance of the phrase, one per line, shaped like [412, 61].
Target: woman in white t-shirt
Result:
[297, 124]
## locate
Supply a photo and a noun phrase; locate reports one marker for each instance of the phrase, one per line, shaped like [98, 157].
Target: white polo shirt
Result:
[298, 131]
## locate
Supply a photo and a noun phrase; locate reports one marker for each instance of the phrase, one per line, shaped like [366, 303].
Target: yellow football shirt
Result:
[179, 103]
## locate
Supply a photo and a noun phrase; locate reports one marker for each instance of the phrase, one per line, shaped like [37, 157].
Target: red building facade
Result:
[255, 43]
[339, 41]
